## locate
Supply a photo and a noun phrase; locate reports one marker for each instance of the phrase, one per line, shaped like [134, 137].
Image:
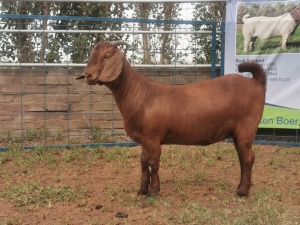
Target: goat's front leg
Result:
[284, 41]
[145, 180]
[150, 156]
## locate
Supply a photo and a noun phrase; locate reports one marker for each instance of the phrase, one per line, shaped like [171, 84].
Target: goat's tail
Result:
[245, 17]
[257, 70]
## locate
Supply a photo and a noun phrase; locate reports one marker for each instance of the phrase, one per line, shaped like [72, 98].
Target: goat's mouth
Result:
[90, 81]
[89, 78]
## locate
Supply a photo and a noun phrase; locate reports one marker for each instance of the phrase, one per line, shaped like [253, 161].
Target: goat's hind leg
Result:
[248, 41]
[246, 44]
[246, 158]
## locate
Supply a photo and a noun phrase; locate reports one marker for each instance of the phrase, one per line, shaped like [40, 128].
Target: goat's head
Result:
[105, 63]
[295, 13]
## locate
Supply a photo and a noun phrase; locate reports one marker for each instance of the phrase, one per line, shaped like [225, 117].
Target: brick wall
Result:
[52, 98]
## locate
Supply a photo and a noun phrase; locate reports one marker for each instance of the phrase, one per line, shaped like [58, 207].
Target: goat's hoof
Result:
[152, 192]
[242, 193]
[142, 192]
[152, 195]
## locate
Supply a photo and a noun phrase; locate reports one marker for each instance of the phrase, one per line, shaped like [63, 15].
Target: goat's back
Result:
[198, 113]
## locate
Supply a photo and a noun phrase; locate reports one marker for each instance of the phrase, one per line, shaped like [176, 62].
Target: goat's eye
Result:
[107, 55]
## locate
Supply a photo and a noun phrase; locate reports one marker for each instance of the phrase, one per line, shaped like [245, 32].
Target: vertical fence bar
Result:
[68, 112]
[68, 83]
[222, 48]
[21, 88]
[45, 89]
[214, 50]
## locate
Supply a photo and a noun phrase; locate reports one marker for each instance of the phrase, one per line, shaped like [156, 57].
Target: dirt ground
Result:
[198, 186]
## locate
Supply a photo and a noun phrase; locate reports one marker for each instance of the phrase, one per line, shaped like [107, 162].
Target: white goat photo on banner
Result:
[275, 24]
[268, 32]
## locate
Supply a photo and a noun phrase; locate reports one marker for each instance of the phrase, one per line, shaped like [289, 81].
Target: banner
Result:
[267, 32]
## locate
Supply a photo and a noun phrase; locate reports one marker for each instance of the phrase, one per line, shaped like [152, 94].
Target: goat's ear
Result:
[113, 67]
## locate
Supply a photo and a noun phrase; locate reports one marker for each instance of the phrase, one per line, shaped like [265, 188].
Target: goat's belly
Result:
[196, 138]
[208, 128]
[189, 141]
[268, 29]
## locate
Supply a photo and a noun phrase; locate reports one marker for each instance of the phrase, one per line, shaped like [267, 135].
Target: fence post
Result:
[222, 48]
[214, 50]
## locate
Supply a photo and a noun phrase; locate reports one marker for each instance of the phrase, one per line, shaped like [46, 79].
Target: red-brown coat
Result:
[202, 113]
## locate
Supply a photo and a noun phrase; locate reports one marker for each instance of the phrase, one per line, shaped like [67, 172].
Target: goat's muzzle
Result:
[83, 76]
[80, 77]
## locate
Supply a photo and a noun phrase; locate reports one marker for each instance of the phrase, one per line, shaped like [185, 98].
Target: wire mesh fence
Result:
[41, 102]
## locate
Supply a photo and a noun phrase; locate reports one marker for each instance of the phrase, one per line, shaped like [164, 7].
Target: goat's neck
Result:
[129, 88]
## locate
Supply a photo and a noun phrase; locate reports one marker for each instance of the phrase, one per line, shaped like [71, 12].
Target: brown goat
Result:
[203, 113]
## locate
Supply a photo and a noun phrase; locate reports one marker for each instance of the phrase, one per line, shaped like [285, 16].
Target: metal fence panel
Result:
[43, 105]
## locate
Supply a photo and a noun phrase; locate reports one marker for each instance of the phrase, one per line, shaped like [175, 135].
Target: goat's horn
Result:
[116, 43]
